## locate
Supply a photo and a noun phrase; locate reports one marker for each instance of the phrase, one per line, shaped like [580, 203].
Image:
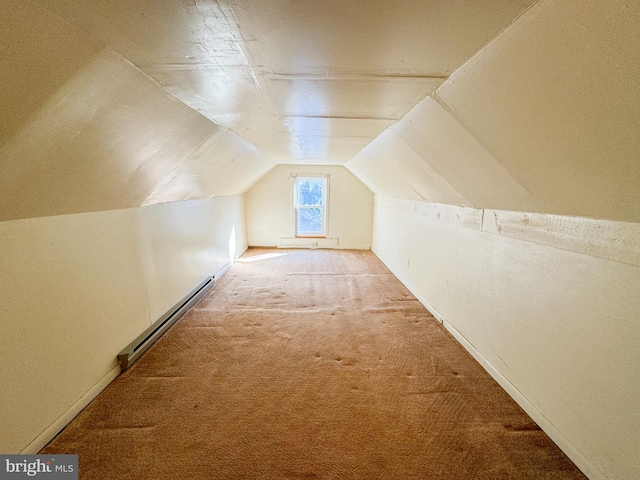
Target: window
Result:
[310, 203]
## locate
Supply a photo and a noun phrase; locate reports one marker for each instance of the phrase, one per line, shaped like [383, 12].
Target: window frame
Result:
[324, 208]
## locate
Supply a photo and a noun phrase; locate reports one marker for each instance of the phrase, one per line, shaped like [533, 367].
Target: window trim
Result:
[324, 208]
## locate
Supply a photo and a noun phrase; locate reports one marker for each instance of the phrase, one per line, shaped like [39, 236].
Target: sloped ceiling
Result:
[546, 118]
[112, 103]
[303, 81]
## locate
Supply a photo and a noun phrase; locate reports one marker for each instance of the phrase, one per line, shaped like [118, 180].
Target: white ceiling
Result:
[110, 104]
[303, 81]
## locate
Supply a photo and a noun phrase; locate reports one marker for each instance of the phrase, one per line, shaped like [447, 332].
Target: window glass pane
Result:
[311, 191]
[310, 221]
[310, 202]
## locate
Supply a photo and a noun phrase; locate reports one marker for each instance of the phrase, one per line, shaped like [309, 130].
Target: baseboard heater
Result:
[147, 338]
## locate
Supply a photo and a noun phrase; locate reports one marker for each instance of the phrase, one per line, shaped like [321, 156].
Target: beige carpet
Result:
[308, 364]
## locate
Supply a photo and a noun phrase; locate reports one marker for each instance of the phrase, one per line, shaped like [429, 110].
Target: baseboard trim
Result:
[415, 293]
[235, 259]
[575, 455]
[72, 412]
[306, 247]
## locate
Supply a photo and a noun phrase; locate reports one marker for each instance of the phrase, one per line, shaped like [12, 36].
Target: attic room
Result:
[484, 153]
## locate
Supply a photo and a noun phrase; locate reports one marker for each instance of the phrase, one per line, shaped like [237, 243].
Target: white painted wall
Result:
[549, 304]
[270, 218]
[77, 288]
[543, 119]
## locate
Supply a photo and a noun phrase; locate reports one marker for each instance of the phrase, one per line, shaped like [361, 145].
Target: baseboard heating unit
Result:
[147, 338]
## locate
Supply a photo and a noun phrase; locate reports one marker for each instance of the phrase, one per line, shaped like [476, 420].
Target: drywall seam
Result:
[436, 97]
[459, 215]
[401, 204]
[240, 41]
[177, 169]
[442, 104]
[98, 41]
[576, 456]
[612, 240]
[105, 46]
[408, 182]
[348, 75]
[170, 94]
[608, 239]
[439, 101]
[486, 45]
[426, 162]
[72, 412]
[260, 84]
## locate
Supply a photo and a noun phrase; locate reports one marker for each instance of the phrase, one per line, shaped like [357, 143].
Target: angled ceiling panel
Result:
[32, 71]
[356, 97]
[338, 138]
[101, 134]
[251, 66]
[103, 141]
[383, 37]
[126, 103]
[389, 166]
[224, 164]
[449, 149]
[556, 100]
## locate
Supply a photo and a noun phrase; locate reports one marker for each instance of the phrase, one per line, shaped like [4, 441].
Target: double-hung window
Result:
[310, 204]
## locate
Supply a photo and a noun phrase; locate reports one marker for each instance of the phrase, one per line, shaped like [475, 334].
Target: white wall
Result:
[91, 148]
[270, 219]
[77, 288]
[545, 118]
[181, 243]
[550, 305]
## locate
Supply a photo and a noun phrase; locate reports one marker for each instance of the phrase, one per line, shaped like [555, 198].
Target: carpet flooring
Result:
[308, 364]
